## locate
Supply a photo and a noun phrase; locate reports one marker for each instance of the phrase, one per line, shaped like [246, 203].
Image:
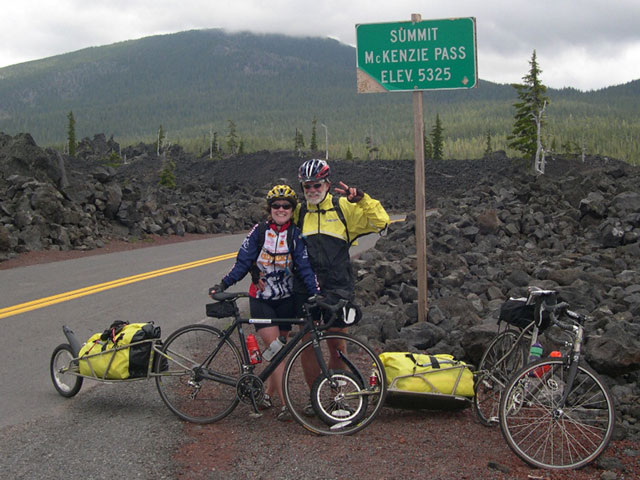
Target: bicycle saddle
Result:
[222, 296]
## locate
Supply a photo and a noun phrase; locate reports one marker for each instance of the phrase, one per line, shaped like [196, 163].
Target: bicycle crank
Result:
[250, 389]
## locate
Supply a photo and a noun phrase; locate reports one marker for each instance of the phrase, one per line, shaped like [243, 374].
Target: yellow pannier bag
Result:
[427, 373]
[110, 355]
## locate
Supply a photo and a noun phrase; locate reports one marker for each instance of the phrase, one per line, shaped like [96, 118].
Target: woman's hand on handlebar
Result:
[219, 288]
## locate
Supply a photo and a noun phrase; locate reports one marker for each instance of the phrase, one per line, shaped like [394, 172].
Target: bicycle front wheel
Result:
[348, 399]
[178, 374]
[547, 433]
[499, 361]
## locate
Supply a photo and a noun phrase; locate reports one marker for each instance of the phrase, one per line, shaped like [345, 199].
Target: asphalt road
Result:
[43, 435]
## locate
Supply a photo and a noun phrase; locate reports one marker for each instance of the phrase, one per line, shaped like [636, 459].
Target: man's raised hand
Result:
[352, 193]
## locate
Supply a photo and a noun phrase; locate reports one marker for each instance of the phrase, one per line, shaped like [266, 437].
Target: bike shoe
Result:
[308, 410]
[265, 402]
[284, 415]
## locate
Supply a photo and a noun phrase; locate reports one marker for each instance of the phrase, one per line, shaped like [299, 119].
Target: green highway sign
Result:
[412, 56]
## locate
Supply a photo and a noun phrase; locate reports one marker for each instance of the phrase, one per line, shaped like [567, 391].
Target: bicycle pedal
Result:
[341, 413]
[255, 415]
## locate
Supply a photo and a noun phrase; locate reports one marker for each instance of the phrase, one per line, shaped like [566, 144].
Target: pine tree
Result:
[168, 175]
[349, 155]
[232, 138]
[213, 142]
[314, 138]
[372, 150]
[71, 134]
[428, 148]
[216, 145]
[113, 160]
[161, 136]
[437, 140]
[298, 142]
[489, 148]
[532, 102]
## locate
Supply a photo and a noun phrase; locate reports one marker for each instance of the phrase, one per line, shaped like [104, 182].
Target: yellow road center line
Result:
[82, 292]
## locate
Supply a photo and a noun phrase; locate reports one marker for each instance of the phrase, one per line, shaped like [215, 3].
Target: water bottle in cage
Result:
[254, 349]
[535, 354]
[274, 348]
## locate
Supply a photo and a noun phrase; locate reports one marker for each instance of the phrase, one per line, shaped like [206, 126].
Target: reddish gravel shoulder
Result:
[404, 444]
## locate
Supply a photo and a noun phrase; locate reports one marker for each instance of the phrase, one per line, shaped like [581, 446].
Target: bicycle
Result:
[509, 351]
[556, 413]
[208, 375]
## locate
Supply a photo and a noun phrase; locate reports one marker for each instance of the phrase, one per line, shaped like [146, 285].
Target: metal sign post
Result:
[412, 57]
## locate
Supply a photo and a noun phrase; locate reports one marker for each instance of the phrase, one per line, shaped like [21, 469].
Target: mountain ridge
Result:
[270, 85]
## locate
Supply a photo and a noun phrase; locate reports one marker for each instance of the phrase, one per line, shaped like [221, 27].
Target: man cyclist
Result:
[329, 226]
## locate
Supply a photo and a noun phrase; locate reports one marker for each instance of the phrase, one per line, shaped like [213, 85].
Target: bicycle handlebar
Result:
[576, 318]
[314, 301]
[331, 308]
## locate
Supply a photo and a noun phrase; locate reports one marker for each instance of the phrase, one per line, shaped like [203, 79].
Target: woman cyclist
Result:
[273, 251]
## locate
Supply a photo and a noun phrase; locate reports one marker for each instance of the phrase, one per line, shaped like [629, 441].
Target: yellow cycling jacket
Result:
[328, 240]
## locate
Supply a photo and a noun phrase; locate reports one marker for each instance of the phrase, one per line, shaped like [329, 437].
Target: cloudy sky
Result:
[586, 44]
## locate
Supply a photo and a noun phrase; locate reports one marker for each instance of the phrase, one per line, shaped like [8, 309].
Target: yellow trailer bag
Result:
[427, 373]
[103, 356]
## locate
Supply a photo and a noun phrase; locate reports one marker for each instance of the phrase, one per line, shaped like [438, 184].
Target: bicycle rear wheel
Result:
[348, 400]
[498, 368]
[67, 384]
[545, 433]
[181, 387]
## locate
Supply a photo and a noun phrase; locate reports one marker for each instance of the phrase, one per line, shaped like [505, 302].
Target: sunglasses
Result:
[309, 186]
[286, 206]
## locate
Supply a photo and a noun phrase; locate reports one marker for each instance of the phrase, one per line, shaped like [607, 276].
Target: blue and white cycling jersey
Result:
[275, 262]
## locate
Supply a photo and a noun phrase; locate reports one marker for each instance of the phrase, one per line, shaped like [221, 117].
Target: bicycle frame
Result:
[571, 361]
[247, 366]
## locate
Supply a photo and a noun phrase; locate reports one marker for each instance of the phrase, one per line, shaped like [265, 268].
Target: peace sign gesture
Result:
[352, 193]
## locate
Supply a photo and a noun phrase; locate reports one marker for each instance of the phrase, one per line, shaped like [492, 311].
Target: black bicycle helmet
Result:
[314, 169]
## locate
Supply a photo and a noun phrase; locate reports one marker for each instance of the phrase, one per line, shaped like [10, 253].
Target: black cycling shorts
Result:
[283, 308]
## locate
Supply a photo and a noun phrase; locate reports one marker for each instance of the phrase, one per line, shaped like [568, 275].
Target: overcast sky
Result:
[586, 44]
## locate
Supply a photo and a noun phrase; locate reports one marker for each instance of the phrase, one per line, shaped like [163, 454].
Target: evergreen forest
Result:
[278, 92]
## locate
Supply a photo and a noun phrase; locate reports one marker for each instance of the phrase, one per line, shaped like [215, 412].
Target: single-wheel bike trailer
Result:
[65, 365]
[422, 381]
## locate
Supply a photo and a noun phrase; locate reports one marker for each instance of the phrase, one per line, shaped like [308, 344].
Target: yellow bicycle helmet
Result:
[282, 192]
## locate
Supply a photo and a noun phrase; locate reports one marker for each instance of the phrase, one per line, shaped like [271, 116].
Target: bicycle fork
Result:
[573, 372]
[324, 368]
[367, 384]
